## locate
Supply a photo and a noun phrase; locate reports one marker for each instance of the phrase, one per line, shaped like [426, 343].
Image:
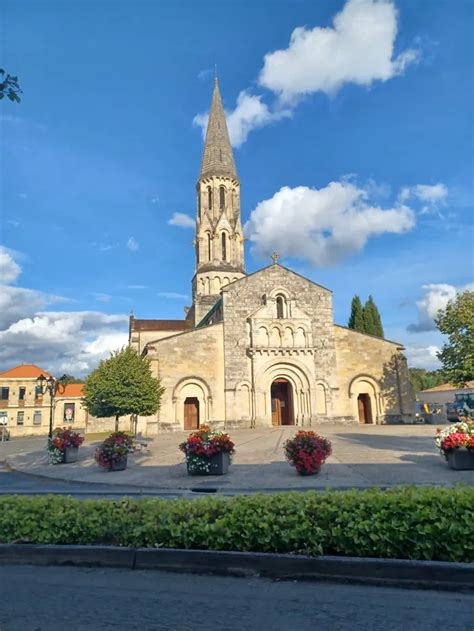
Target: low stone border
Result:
[393, 572]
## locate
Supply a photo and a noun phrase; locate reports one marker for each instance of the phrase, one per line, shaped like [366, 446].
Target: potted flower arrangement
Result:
[207, 452]
[112, 453]
[307, 452]
[456, 444]
[64, 445]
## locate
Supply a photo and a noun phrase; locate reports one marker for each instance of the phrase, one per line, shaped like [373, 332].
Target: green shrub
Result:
[405, 522]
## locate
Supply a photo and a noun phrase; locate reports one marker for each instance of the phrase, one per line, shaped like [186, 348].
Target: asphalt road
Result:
[76, 599]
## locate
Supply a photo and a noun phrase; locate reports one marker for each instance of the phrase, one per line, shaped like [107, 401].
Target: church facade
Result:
[260, 349]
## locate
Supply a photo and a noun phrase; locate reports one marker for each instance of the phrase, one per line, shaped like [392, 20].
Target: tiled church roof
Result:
[161, 325]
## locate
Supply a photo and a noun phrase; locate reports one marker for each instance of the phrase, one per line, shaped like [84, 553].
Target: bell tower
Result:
[219, 239]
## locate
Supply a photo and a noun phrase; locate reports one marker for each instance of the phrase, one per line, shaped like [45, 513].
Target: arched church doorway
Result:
[191, 413]
[282, 403]
[365, 409]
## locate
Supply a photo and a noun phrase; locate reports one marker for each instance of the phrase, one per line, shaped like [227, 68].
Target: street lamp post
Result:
[51, 385]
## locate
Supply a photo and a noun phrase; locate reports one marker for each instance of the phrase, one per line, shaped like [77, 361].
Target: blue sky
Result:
[102, 152]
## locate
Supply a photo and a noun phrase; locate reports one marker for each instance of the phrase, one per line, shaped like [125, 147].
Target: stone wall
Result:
[190, 364]
[306, 302]
[367, 364]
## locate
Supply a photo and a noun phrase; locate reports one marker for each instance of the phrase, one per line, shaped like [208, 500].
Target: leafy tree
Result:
[356, 319]
[457, 322]
[422, 379]
[372, 319]
[9, 87]
[70, 379]
[122, 385]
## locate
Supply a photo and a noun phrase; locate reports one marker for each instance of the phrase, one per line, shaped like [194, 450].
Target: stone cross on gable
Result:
[275, 258]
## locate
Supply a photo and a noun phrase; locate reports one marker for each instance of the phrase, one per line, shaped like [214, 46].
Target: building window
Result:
[209, 198]
[37, 418]
[38, 392]
[220, 155]
[5, 394]
[209, 247]
[21, 394]
[222, 197]
[69, 412]
[280, 303]
[224, 247]
[20, 418]
[264, 299]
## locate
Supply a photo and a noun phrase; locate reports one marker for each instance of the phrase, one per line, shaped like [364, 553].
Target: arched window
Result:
[224, 246]
[220, 155]
[222, 197]
[280, 303]
[209, 247]
[209, 198]
[264, 299]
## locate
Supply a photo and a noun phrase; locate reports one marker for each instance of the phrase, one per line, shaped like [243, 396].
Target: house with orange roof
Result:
[25, 410]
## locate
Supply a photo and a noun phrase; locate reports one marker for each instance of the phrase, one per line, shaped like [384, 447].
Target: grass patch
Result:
[405, 522]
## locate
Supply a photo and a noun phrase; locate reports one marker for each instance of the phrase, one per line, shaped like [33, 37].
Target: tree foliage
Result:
[356, 319]
[422, 379]
[457, 322]
[9, 87]
[122, 385]
[365, 319]
[70, 379]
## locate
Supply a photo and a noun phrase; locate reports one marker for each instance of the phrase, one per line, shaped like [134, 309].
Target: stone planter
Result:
[218, 464]
[119, 465]
[71, 454]
[461, 459]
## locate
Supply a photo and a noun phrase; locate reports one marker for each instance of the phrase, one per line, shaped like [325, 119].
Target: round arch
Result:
[365, 398]
[192, 388]
[300, 380]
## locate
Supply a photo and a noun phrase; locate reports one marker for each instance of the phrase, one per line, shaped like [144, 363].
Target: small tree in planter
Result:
[307, 452]
[112, 453]
[456, 444]
[207, 452]
[63, 445]
[122, 385]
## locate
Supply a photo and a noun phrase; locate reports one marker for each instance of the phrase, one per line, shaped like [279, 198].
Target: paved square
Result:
[379, 455]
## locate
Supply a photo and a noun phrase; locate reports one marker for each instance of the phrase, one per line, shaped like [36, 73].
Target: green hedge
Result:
[406, 522]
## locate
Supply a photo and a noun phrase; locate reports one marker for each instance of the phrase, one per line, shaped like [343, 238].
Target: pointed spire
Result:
[217, 157]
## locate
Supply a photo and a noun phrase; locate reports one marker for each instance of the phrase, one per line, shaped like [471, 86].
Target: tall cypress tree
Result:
[356, 319]
[372, 319]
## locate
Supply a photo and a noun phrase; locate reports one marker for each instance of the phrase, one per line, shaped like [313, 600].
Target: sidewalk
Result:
[362, 457]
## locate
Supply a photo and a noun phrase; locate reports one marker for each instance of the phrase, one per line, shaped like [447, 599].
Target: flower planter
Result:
[118, 465]
[218, 464]
[460, 459]
[71, 454]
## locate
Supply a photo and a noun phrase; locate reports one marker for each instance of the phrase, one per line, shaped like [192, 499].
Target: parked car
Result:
[452, 413]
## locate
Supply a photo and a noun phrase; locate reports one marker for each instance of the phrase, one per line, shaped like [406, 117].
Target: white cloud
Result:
[359, 49]
[423, 357]
[132, 244]
[432, 195]
[436, 297]
[9, 268]
[182, 221]
[322, 225]
[135, 287]
[173, 295]
[62, 341]
[249, 113]
[102, 297]
[59, 341]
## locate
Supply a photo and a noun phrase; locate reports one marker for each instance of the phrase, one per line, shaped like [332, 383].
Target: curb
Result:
[387, 572]
[207, 489]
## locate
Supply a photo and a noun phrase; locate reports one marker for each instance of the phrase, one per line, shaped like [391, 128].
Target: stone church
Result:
[260, 349]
